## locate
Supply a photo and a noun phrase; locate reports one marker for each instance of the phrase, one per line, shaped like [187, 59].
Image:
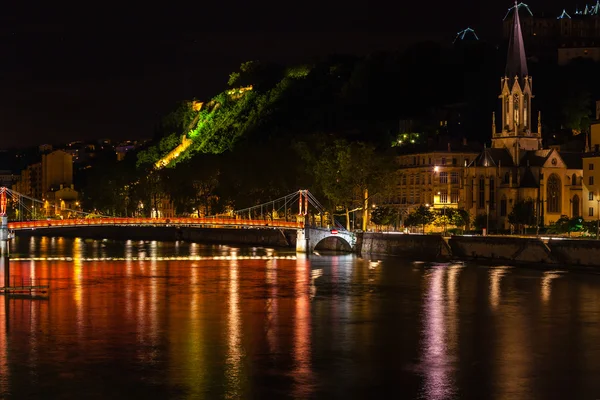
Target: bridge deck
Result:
[208, 222]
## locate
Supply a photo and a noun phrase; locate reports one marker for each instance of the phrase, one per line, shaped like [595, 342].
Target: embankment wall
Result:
[513, 250]
[420, 247]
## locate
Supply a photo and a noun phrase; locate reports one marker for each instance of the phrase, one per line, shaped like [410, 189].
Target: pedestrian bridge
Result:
[199, 222]
[275, 214]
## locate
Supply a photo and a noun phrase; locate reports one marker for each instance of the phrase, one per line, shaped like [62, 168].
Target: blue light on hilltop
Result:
[564, 15]
[461, 35]
[519, 6]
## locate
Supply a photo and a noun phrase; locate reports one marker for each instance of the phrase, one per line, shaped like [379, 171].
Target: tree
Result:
[480, 222]
[420, 216]
[567, 225]
[350, 173]
[443, 218]
[383, 215]
[523, 215]
[460, 218]
[576, 110]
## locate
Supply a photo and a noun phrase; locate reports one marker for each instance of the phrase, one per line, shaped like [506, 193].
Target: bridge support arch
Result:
[308, 238]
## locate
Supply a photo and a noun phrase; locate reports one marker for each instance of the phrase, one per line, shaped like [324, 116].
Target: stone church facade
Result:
[517, 167]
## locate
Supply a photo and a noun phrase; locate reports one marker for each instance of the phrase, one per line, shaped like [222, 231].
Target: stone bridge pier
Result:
[4, 235]
[309, 238]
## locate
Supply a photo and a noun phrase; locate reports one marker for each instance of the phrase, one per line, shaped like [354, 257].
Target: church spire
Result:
[516, 63]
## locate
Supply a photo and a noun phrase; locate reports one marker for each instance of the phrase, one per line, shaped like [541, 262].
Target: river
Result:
[157, 320]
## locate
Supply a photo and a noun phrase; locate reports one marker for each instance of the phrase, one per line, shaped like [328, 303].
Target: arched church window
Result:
[507, 178]
[553, 194]
[481, 192]
[574, 180]
[503, 206]
[516, 109]
[492, 193]
[525, 106]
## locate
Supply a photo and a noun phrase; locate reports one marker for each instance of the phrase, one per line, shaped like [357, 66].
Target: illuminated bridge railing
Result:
[214, 222]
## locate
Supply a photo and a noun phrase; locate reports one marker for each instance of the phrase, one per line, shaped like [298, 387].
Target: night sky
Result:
[92, 70]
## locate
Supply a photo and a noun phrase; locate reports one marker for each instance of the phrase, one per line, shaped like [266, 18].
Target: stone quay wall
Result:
[495, 249]
[418, 247]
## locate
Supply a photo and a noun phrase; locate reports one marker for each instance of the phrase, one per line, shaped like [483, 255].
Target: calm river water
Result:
[176, 320]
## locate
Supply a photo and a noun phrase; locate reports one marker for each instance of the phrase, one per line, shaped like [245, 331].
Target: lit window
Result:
[591, 196]
[443, 177]
[443, 196]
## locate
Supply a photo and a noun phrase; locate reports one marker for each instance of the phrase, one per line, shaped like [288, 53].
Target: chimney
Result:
[449, 149]
[464, 141]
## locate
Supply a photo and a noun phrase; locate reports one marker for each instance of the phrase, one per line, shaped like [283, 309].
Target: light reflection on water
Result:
[180, 320]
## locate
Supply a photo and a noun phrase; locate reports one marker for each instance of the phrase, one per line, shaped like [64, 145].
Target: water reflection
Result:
[172, 320]
[496, 275]
[4, 366]
[302, 373]
[272, 308]
[436, 358]
[547, 279]
[234, 345]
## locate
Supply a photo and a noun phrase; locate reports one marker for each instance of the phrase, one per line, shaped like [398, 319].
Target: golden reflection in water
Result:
[234, 345]
[142, 317]
[513, 368]
[4, 371]
[496, 275]
[44, 245]
[60, 245]
[193, 249]
[32, 245]
[195, 356]
[547, 284]
[78, 282]
[129, 286]
[153, 317]
[436, 363]
[272, 307]
[302, 374]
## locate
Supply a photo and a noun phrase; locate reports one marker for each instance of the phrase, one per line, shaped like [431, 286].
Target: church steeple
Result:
[516, 62]
[516, 94]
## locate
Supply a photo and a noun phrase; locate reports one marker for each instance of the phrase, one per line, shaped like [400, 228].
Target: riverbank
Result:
[530, 251]
[488, 249]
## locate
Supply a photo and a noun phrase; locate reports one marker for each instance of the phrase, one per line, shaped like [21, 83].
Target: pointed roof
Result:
[529, 180]
[493, 158]
[516, 62]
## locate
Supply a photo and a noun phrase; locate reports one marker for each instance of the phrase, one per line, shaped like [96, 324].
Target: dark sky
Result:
[87, 70]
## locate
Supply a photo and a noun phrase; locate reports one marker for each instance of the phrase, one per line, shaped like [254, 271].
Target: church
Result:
[517, 167]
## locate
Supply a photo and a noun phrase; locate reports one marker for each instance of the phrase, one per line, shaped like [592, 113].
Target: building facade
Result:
[433, 178]
[591, 172]
[52, 182]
